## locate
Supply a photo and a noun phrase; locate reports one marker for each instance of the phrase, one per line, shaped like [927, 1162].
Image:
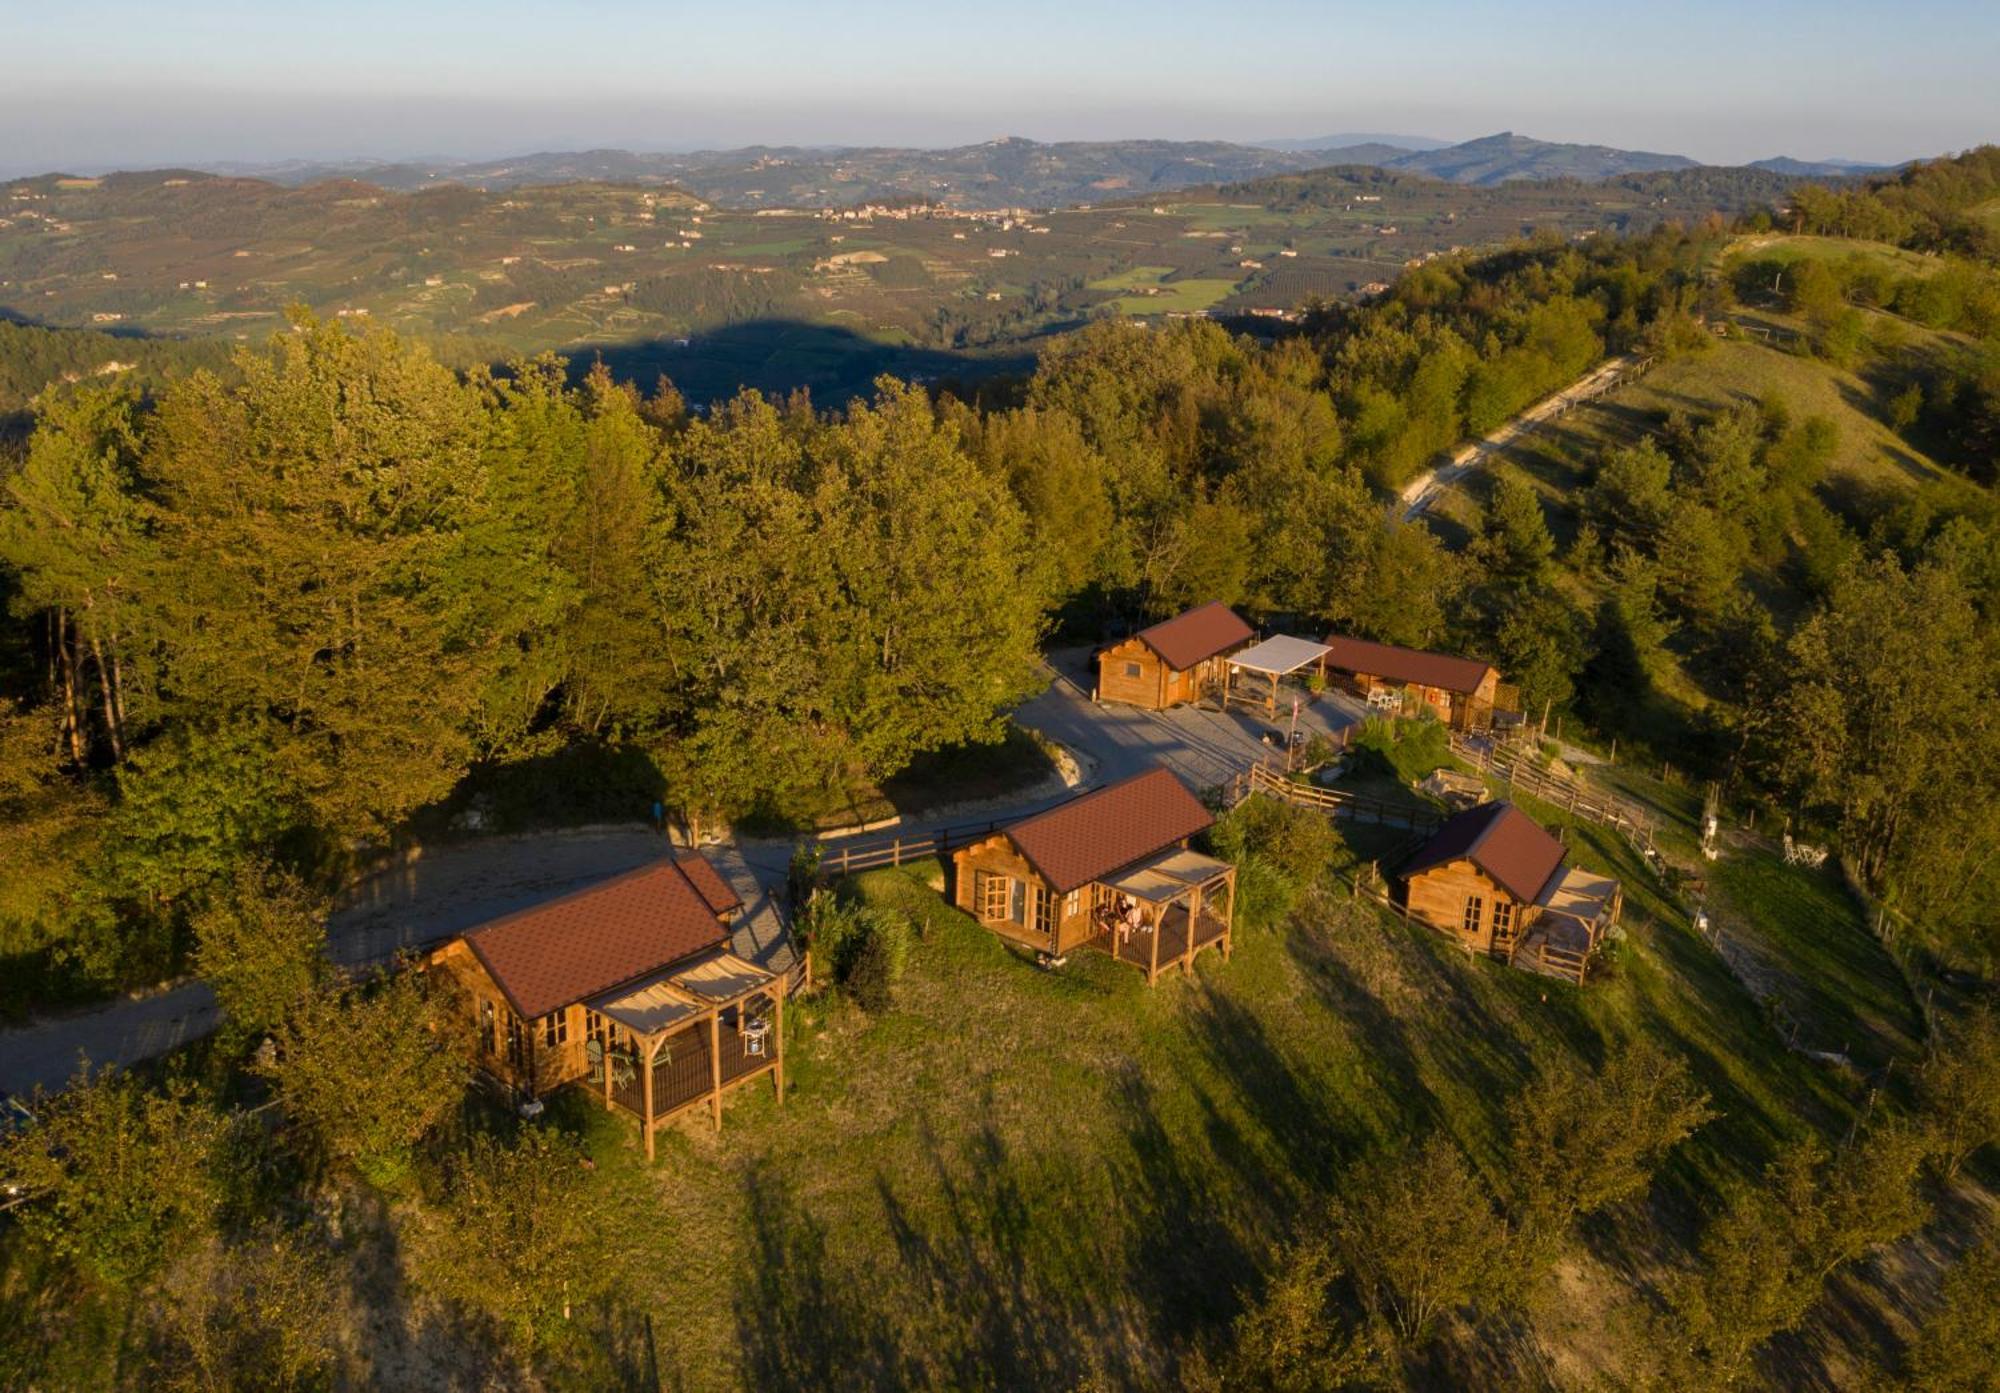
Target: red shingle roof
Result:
[1087, 838]
[1411, 665]
[1194, 637]
[557, 953]
[717, 893]
[1502, 841]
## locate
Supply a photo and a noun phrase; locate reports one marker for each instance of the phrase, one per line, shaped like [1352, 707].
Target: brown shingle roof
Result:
[1502, 841]
[1200, 634]
[1087, 838]
[1411, 665]
[719, 895]
[557, 953]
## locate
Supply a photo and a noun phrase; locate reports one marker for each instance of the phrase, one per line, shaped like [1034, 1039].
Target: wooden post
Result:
[646, 1057]
[1229, 914]
[778, 1039]
[1194, 927]
[1153, 966]
[606, 1043]
[715, 1066]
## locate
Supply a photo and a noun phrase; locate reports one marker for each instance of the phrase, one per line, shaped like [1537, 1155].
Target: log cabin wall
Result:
[1442, 897]
[1132, 673]
[1064, 920]
[534, 1055]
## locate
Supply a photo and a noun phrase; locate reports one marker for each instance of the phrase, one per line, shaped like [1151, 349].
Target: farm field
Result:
[655, 279]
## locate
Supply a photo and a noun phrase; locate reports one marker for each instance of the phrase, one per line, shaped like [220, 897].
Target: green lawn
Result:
[1780, 247]
[1178, 297]
[1022, 1178]
[1829, 972]
[1133, 279]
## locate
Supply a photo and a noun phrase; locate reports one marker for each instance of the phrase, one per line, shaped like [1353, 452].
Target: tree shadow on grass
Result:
[1009, 1283]
[1304, 1134]
[1184, 1261]
[1391, 1053]
[801, 1323]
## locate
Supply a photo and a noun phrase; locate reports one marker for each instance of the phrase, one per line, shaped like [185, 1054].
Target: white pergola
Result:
[1276, 658]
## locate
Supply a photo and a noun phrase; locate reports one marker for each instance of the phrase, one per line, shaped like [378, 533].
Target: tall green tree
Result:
[329, 563]
[74, 528]
[367, 1072]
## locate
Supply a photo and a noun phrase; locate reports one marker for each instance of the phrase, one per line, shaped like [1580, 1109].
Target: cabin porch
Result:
[1574, 915]
[684, 1038]
[1162, 913]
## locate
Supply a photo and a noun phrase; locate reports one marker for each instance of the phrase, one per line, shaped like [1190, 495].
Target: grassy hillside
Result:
[1020, 1178]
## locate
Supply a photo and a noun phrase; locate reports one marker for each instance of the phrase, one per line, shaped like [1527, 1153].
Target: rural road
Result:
[1422, 491]
[432, 897]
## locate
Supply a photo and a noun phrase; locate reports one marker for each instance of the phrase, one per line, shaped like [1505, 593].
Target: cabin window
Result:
[593, 1027]
[516, 1039]
[991, 891]
[1045, 910]
[1071, 903]
[1503, 916]
[1017, 902]
[1131, 669]
[555, 1029]
[1475, 910]
[489, 1028]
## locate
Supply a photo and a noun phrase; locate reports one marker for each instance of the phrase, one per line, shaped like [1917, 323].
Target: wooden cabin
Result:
[1496, 881]
[627, 989]
[1464, 693]
[1175, 660]
[1111, 870]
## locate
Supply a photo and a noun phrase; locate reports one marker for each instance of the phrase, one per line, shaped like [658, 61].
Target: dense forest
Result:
[264, 617]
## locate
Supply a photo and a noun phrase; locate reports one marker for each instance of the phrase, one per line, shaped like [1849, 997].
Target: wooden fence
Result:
[870, 853]
[1336, 803]
[1572, 795]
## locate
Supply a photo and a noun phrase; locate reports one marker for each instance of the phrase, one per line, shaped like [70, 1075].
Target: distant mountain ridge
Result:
[1348, 140]
[1012, 171]
[1496, 159]
[1819, 169]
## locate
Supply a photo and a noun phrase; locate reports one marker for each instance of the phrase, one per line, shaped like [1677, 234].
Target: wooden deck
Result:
[685, 1076]
[1179, 942]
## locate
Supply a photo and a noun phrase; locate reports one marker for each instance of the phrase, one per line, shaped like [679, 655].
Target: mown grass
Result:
[1025, 1178]
[1833, 977]
[1182, 297]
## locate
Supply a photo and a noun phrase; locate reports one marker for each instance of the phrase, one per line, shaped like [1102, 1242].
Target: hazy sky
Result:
[147, 82]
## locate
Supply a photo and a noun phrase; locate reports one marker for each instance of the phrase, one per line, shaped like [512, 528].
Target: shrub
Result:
[259, 941]
[367, 1075]
[1412, 748]
[1280, 852]
[864, 948]
[881, 953]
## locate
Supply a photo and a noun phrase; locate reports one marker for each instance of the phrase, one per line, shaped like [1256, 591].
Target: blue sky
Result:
[120, 82]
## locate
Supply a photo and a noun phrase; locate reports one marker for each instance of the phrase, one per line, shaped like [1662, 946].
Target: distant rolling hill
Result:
[1818, 169]
[1351, 140]
[1497, 159]
[1010, 172]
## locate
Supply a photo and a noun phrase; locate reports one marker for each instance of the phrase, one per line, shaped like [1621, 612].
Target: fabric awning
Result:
[1279, 655]
[668, 998]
